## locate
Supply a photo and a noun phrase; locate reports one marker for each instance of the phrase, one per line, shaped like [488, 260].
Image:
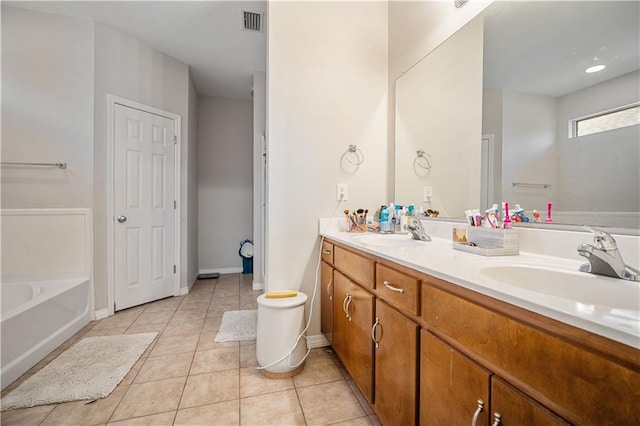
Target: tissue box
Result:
[490, 241]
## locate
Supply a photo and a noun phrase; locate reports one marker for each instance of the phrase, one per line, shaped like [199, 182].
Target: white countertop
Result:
[437, 258]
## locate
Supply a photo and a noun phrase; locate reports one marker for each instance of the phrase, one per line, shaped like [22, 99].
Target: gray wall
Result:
[190, 266]
[47, 109]
[225, 181]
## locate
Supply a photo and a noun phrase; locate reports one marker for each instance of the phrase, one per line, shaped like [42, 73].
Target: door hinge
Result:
[174, 269]
[175, 139]
[175, 204]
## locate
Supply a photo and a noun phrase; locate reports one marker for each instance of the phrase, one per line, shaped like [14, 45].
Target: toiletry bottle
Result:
[397, 223]
[385, 225]
[506, 223]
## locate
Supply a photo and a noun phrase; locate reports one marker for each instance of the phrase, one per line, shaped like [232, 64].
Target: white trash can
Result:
[280, 322]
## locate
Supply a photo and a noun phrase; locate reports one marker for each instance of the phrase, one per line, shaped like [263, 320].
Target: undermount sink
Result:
[388, 240]
[580, 287]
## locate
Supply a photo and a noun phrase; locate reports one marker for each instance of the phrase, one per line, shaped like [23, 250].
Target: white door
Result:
[486, 177]
[144, 207]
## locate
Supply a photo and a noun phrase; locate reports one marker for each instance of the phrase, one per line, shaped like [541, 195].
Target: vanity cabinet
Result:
[396, 362]
[326, 301]
[352, 321]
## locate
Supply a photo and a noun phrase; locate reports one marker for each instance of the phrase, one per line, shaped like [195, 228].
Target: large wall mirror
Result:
[505, 110]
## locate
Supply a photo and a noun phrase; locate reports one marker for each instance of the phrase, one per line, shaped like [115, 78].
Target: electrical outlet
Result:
[342, 192]
[428, 193]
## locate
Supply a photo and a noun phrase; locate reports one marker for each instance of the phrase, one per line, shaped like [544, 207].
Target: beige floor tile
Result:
[165, 367]
[175, 328]
[210, 388]
[206, 340]
[360, 421]
[222, 413]
[278, 408]
[212, 323]
[248, 355]
[317, 370]
[361, 399]
[105, 332]
[167, 345]
[153, 317]
[329, 403]
[120, 319]
[194, 303]
[189, 315]
[249, 305]
[81, 413]
[146, 328]
[25, 416]
[215, 360]
[169, 304]
[143, 399]
[253, 382]
[220, 305]
[131, 375]
[226, 290]
[162, 419]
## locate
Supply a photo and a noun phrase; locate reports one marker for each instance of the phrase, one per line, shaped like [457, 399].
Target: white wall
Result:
[259, 167]
[327, 88]
[130, 69]
[529, 149]
[492, 125]
[47, 109]
[225, 182]
[190, 265]
[600, 172]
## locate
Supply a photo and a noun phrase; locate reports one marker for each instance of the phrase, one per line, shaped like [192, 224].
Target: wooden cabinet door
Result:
[352, 321]
[515, 408]
[326, 301]
[450, 386]
[396, 360]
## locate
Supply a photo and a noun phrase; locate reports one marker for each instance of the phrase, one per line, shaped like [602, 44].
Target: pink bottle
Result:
[507, 220]
[548, 219]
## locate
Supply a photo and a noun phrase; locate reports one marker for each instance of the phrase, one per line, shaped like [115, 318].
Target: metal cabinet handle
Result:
[344, 305]
[391, 287]
[328, 289]
[474, 421]
[349, 300]
[373, 332]
[325, 251]
[122, 219]
[496, 419]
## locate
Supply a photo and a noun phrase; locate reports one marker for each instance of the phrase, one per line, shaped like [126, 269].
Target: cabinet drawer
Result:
[514, 408]
[398, 288]
[358, 268]
[582, 386]
[327, 252]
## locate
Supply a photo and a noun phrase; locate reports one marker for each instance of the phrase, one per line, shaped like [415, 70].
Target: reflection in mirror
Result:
[533, 145]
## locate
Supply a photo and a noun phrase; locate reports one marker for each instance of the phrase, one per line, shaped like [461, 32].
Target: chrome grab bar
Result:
[16, 163]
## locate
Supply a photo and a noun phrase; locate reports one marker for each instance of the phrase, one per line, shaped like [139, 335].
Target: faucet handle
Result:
[603, 240]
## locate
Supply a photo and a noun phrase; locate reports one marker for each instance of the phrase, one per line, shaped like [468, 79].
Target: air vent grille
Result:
[252, 21]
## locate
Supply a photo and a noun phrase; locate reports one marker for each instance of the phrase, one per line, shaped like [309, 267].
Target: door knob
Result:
[122, 219]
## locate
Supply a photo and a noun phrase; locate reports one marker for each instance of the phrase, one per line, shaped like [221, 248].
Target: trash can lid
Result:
[283, 302]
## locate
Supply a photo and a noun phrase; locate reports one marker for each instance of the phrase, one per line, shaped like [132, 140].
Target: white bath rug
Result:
[237, 325]
[90, 369]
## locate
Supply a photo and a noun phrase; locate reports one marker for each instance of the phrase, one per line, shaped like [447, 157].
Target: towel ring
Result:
[353, 153]
[423, 160]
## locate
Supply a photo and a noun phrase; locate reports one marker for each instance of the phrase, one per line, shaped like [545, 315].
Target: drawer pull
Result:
[496, 417]
[345, 306]
[373, 332]
[350, 299]
[474, 421]
[391, 287]
[325, 251]
[329, 289]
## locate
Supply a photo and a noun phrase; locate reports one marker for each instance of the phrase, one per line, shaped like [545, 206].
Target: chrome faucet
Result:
[417, 231]
[605, 258]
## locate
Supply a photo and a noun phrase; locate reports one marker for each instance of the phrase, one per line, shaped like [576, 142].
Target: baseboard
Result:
[222, 271]
[258, 286]
[184, 291]
[317, 341]
[100, 314]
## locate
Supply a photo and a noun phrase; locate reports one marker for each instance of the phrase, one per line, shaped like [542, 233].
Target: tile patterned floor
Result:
[185, 378]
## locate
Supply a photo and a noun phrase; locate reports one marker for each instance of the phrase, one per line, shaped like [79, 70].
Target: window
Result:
[608, 120]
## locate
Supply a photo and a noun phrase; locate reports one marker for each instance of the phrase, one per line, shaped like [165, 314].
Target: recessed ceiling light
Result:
[595, 68]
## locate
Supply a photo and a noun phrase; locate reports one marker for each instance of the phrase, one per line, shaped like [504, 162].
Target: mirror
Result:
[493, 109]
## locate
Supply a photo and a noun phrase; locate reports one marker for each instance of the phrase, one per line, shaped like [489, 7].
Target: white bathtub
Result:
[37, 317]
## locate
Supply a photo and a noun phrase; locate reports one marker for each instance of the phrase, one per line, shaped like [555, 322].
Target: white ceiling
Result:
[206, 35]
[543, 47]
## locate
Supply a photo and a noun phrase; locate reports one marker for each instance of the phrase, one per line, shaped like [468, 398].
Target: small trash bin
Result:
[246, 253]
[280, 323]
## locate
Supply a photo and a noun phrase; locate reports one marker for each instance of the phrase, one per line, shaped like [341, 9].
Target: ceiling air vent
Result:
[252, 21]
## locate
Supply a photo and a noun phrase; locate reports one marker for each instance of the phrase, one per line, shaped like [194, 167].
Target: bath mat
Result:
[90, 369]
[237, 325]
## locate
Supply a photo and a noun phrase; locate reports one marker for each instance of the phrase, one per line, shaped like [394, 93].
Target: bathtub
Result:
[37, 317]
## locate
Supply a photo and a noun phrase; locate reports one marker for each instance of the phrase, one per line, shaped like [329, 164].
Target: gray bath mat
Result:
[90, 369]
[237, 325]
